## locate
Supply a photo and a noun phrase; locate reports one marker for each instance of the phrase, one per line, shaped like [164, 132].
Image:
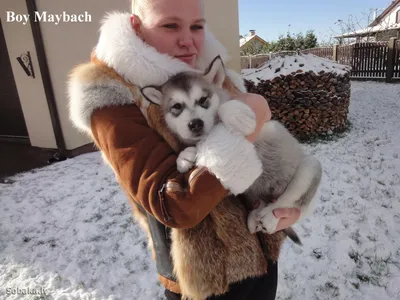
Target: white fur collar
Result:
[121, 49]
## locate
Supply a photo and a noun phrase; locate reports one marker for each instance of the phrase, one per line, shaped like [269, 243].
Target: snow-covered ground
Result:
[67, 228]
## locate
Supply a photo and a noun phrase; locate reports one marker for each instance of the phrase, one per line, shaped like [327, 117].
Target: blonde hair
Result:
[138, 7]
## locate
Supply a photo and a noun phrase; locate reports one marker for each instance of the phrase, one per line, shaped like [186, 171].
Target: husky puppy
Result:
[193, 103]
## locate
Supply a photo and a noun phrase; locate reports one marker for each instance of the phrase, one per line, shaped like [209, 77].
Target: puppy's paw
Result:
[186, 159]
[252, 221]
[267, 220]
[238, 117]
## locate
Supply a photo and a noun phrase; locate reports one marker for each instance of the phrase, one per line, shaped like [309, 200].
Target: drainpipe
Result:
[48, 87]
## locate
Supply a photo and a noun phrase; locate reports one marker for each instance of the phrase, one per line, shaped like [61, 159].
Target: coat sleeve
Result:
[145, 166]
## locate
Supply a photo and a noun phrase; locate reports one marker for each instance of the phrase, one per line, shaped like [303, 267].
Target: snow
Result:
[293, 63]
[358, 214]
[67, 227]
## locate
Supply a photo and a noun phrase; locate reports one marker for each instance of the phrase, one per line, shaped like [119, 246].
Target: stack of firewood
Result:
[308, 104]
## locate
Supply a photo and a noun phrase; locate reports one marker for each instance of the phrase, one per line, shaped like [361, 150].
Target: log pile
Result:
[308, 104]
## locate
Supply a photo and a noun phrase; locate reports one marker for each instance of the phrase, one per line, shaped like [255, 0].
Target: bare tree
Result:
[359, 25]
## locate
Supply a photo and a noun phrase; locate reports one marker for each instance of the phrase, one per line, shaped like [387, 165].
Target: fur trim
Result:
[88, 90]
[212, 48]
[217, 252]
[232, 159]
[237, 80]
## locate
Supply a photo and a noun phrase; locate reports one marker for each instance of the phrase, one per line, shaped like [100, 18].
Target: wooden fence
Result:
[396, 72]
[371, 61]
[321, 52]
[255, 61]
[344, 55]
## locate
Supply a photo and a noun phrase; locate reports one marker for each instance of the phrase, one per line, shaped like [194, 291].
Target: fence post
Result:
[390, 60]
[335, 52]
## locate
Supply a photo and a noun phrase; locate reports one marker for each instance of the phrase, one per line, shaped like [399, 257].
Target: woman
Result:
[160, 39]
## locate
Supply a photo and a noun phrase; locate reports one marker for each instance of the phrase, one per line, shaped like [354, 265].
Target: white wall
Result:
[223, 18]
[31, 93]
[390, 19]
[69, 44]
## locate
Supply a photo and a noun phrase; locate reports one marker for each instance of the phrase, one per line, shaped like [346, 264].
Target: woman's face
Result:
[174, 27]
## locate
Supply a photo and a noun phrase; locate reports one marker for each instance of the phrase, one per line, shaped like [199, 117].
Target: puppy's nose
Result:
[196, 125]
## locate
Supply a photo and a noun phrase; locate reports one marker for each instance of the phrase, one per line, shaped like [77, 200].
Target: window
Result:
[398, 17]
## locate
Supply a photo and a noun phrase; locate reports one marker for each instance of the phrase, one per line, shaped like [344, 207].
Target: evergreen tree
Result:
[310, 41]
[300, 41]
[288, 42]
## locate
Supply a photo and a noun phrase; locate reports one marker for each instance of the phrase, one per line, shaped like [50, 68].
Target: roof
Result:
[368, 30]
[246, 39]
[385, 13]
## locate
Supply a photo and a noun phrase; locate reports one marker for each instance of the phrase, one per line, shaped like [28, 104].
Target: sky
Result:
[272, 18]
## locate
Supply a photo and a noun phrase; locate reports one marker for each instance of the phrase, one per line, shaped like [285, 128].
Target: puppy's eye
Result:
[203, 102]
[177, 106]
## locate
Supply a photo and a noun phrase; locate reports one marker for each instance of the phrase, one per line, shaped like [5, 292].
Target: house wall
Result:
[253, 44]
[31, 93]
[69, 44]
[387, 35]
[225, 27]
[258, 44]
[390, 19]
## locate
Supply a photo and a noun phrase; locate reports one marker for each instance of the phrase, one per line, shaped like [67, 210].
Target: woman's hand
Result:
[261, 109]
[287, 217]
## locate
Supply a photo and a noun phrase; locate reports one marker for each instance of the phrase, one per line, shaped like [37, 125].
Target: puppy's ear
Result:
[215, 72]
[153, 94]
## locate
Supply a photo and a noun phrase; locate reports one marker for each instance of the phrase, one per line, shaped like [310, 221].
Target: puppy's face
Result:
[190, 107]
[189, 102]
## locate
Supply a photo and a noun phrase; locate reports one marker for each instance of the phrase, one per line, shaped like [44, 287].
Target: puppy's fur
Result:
[193, 103]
